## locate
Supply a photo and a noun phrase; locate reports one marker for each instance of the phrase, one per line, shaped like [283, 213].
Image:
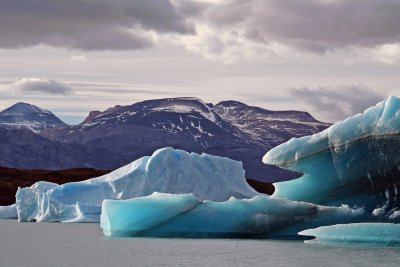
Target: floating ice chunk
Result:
[170, 215]
[167, 170]
[8, 212]
[377, 234]
[355, 161]
[130, 217]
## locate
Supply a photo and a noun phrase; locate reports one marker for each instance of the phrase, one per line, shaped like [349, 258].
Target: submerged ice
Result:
[167, 170]
[354, 162]
[372, 234]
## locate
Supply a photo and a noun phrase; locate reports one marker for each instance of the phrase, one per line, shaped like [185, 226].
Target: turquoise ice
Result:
[371, 234]
[354, 162]
[183, 215]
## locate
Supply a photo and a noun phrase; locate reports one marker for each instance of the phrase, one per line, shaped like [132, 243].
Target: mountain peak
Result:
[231, 103]
[25, 115]
[22, 108]
[92, 114]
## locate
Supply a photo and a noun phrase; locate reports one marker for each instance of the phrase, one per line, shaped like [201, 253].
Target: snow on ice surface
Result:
[184, 215]
[371, 234]
[167, 170]
[353, 162]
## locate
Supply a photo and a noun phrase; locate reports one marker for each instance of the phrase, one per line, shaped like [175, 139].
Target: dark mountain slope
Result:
[23, 149]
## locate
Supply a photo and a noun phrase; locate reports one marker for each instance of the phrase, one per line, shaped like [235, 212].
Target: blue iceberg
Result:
[371, 234]
[184, 215]
[354, 162]
[8, 212]
[167, 171]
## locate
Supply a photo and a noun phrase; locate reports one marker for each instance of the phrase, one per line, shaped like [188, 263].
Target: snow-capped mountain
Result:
[265, 127]
[187, 118]
[23, 115]
[229, 128]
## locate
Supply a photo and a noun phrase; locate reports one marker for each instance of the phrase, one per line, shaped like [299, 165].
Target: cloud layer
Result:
[214, 27]
[315, 25]
[335, 104]
[87, 25]
[41, 85]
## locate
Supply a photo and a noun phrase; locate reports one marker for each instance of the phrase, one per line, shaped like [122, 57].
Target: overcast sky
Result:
[332, 58]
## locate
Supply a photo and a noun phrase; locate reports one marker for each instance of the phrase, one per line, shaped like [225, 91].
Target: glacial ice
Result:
[8, 212]
[167, 170]
[184, 215]
[372, 234]
[29, 200]
[354, 162]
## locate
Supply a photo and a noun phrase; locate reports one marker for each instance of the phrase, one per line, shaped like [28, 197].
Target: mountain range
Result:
[34, 138]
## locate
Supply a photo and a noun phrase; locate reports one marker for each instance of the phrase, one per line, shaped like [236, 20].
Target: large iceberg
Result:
[184, 215]
[371, 234]
[167, 170]
[354, 162]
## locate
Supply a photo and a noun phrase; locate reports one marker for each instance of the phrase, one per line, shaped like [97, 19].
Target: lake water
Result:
[56, 244]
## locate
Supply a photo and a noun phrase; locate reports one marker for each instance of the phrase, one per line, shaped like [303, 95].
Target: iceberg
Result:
[8, 212]
[371, 234]
[354, 162]
[29, 200]
[167, 170]
[184, 215]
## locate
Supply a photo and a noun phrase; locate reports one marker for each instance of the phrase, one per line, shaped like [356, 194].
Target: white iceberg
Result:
[354, 162]
[29, 200]
[183, 215]
[167, 170]
[372, 234]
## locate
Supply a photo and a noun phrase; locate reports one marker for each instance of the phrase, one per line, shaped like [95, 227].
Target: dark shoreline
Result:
[11, 179]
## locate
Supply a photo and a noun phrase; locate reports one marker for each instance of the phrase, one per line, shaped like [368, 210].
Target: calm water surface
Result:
[55, 244]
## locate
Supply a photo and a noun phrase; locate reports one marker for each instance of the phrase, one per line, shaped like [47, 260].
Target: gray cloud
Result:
[335, 104]
[314, 25]
[41, 85]
[88, 25]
